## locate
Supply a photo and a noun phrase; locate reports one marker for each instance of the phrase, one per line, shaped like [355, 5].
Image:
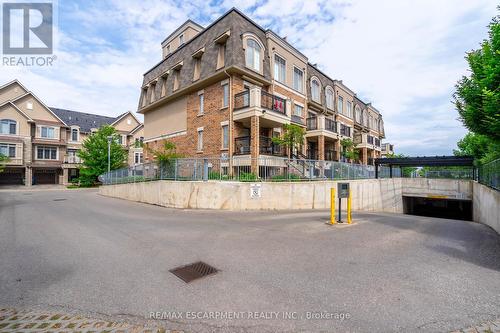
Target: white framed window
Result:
[74, 134]
[47, 132]
[225, 136]
[201, 101]
[46, 153]
[8, 126]
[298, 110]
[298, 80]
[252, 54]
[315, 90]
[181, 39]
[29, 105]
[370, 121]
[329, 98]
[279, 69]
[200, 139]
[357, 114]
[340, 105]
[7, 149]
[349, 109]
[138, 157]
[225, 95]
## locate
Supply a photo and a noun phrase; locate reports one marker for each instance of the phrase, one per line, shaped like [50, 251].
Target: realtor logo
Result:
[27, 28]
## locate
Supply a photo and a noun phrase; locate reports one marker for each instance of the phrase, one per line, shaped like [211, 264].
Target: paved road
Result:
[387, 273]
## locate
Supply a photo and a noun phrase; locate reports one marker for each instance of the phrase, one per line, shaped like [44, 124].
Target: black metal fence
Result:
[489, 174]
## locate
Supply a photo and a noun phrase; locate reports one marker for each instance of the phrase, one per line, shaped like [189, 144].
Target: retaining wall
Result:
[486, 206]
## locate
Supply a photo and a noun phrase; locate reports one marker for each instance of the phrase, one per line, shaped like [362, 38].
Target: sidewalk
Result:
[26, 321]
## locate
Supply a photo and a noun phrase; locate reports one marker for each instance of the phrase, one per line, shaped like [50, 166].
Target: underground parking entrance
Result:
[438, 207]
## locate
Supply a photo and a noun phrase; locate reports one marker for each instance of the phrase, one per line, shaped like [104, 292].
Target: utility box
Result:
[343, 190]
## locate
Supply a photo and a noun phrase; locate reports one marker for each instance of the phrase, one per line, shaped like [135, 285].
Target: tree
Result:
[405, 171]
[477, 97]
[3, 159]
[293, 137]
[94, 153]
[481, 147]
[348, 149]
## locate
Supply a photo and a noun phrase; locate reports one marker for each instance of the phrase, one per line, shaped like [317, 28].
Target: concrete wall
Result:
[486, 206]
[442, 188]
[368, 195]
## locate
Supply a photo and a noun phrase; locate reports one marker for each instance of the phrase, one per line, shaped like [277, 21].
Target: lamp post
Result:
[110, 139]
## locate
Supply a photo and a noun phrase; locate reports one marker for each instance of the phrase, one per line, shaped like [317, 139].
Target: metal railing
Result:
[489, 174]
[312, 123]
[72, 159]
[449, 174]
[244, 168]
[242, 100]
[272, 102]
[330, 125]
[330, 155]
[297, 119]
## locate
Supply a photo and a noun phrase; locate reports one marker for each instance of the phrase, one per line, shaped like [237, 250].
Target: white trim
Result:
[46, 159]
[304, 79]
[202, 91]
[39, 127]
[224, 123]
[223, 82]
[122, 116]
[293, 91]
[136, 128]
[18, 109]
[274, 65]
[39, 101]
[165, 136]
[199, 129]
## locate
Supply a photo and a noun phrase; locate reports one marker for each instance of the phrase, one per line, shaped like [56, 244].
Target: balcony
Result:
[297, 120]
[272, 110]
[72, 160]
[369, 139]
[266, 146]
[330, 125]
[312, 123]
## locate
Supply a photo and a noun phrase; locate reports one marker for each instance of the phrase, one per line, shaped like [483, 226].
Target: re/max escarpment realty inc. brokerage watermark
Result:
[28, 33]
[248, 315]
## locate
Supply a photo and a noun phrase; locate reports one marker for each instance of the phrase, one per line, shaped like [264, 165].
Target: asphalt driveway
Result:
[83, 252]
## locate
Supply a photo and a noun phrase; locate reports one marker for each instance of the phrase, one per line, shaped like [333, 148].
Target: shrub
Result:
[247, 177]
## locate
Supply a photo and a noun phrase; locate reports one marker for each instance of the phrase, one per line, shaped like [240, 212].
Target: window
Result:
[201, 100]
[46, 153]
[370, 121]
[138, 157]
[298, 110]
[340, 105]
[315, 91]
[47, 132]
[252, 55]
[152, 95]
[8, 126]
[163, 86]
[8, 150]
[74, 134]
[29, 105]
[349, 109]
[200, 140]
[357, 114]
[197, 69]
[225, 136]
[221, 56]
[279, 68]
[329, 98]
[139, 142]
[298, 80]
[181, 39]
[176, 80]
[225, 95]
[168, 49]
[345, 130]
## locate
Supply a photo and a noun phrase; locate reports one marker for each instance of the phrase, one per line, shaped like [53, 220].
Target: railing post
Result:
[311, 170]
[175, 168]
[205, 169]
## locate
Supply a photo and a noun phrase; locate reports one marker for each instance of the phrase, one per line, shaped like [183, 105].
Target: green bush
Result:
[247, 177]
[285, 178]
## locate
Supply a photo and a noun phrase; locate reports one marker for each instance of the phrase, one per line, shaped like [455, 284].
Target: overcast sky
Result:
[403, 56]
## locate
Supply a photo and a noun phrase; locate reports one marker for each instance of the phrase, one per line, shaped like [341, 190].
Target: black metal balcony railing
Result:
[377, 142]
[242, 145]
[345, 130]
[273, 103]
[297, 119]
[242, 100]
[330, 155]
[369, 139]
[312, 123]
[330, 125]
[266, 146]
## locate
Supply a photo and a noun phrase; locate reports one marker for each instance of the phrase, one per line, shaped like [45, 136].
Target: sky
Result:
[404, 56]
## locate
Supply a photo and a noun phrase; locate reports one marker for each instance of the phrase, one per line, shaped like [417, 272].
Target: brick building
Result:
[227, 89]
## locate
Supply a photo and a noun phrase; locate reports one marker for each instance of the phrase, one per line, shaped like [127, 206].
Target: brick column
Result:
[364, 151]
[321, 147]
[254, 144]
[337, 149]
[28, 179]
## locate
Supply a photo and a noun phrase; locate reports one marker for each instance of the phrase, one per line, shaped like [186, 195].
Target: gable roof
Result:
[17, 109]
[120, 117]
[86, 121]
[11, 82]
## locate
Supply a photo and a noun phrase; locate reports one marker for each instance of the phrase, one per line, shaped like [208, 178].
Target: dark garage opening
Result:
[437, 207]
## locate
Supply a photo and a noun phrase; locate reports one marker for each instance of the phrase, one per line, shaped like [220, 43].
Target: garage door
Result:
[12, 177]
[44, 177]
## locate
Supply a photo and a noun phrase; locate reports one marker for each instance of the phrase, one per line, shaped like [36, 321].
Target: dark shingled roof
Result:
[85, 121]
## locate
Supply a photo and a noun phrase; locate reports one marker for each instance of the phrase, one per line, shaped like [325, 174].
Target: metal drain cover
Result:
[58, 199]
[194, 271]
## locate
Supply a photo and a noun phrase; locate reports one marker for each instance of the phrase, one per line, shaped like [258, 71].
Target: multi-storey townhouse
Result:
[227, 89]
[387, 149]
[41, 143]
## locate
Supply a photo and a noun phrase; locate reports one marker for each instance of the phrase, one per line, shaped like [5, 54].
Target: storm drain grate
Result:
[59, 199]
[194, 271]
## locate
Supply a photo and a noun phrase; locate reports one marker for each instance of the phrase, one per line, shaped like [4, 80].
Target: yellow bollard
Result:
[349, 219]
[332, 206]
